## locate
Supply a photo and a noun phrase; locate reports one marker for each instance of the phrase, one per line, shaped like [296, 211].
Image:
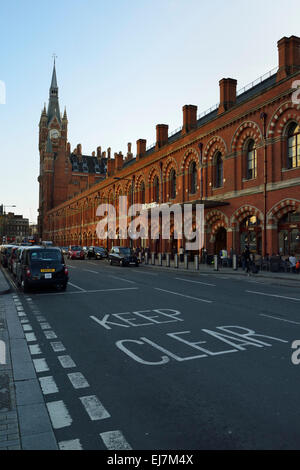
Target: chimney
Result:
[79, 150]
[93, 154]
[129, 155]
[108, 152]
[289, 56]
[140, 148]
[110, 167]
[189, 118]
[98, 152]
[227, 94]
[161, 135]
[118, 161]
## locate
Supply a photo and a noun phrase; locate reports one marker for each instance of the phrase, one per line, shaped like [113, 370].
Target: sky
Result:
[123, 66]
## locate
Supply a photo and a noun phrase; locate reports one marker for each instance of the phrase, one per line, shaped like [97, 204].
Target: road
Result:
[146, 359]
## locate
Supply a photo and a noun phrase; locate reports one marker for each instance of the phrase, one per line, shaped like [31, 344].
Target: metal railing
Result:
[257, 81]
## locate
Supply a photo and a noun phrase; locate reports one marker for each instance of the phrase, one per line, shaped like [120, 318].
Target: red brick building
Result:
[241, 160]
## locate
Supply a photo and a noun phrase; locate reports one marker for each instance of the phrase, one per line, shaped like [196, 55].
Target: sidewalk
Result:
[24, 419]
[205, 269]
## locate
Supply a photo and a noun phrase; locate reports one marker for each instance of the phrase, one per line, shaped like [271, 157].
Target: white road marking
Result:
[78, 380]
[30, 337]
[45, 326]
[48, 385]
[77, 287]
[113, 290]
[94, 291]
[59, 414]
[195, 282]
[114, 440]
[274, 295]
[186, 296]
[24, 320]
[281, 319]
[74, 444]
[90, 271]
[66, 362]
[58, 346]
[40, 365]
[94, 408]
[21, 314]
[50, 335]
[27, 327]
[34, 349]
[122, 279]
[20, 309]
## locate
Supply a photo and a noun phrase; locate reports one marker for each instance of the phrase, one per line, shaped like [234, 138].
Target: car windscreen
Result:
[76, 248]
[45, 255]
[125, 251]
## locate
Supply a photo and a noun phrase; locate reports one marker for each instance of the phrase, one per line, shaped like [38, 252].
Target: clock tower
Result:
[55, 165]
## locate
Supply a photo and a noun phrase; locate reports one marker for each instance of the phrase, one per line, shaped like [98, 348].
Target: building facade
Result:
[13, 228]
[241, 159]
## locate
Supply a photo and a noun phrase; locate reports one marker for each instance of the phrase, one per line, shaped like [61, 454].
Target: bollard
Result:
[168, 260]
[153, 258]
[159, 259]
[234, 263]
[146, 258]
[216, 263]
[175, 261]
[186, 262]
[196, 262]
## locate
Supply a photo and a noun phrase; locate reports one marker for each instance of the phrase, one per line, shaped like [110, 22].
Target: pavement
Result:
[153, 358]
[24, 419]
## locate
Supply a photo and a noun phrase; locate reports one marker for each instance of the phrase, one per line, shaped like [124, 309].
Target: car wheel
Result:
[25, 286]
[137, 264]
[122, 263]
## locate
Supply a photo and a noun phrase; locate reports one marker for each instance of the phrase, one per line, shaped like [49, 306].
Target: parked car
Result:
[122, 256]
[4, 254]
[42, 266]
[17, 260]
[76, 252]
[96, 252]
[64, 250]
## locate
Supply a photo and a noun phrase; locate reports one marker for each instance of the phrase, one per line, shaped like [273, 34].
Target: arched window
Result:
[251, 161]
[293, 146]
[155, 196]
[142, 193]
[219, 171]
[193, 178]
[172, 184]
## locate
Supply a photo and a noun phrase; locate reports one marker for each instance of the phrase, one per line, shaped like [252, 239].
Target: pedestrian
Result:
[247, 260]
[293, 262]
[181, 254]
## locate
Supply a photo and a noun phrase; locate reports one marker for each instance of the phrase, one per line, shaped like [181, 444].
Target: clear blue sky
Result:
[123, 66]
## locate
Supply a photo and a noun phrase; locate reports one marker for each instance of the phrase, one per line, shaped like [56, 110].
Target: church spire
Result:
[53, 107]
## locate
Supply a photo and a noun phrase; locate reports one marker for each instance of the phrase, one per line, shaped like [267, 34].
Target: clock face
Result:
[54, 134]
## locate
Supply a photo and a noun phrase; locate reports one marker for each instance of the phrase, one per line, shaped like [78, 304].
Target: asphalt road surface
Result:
[138, 358]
